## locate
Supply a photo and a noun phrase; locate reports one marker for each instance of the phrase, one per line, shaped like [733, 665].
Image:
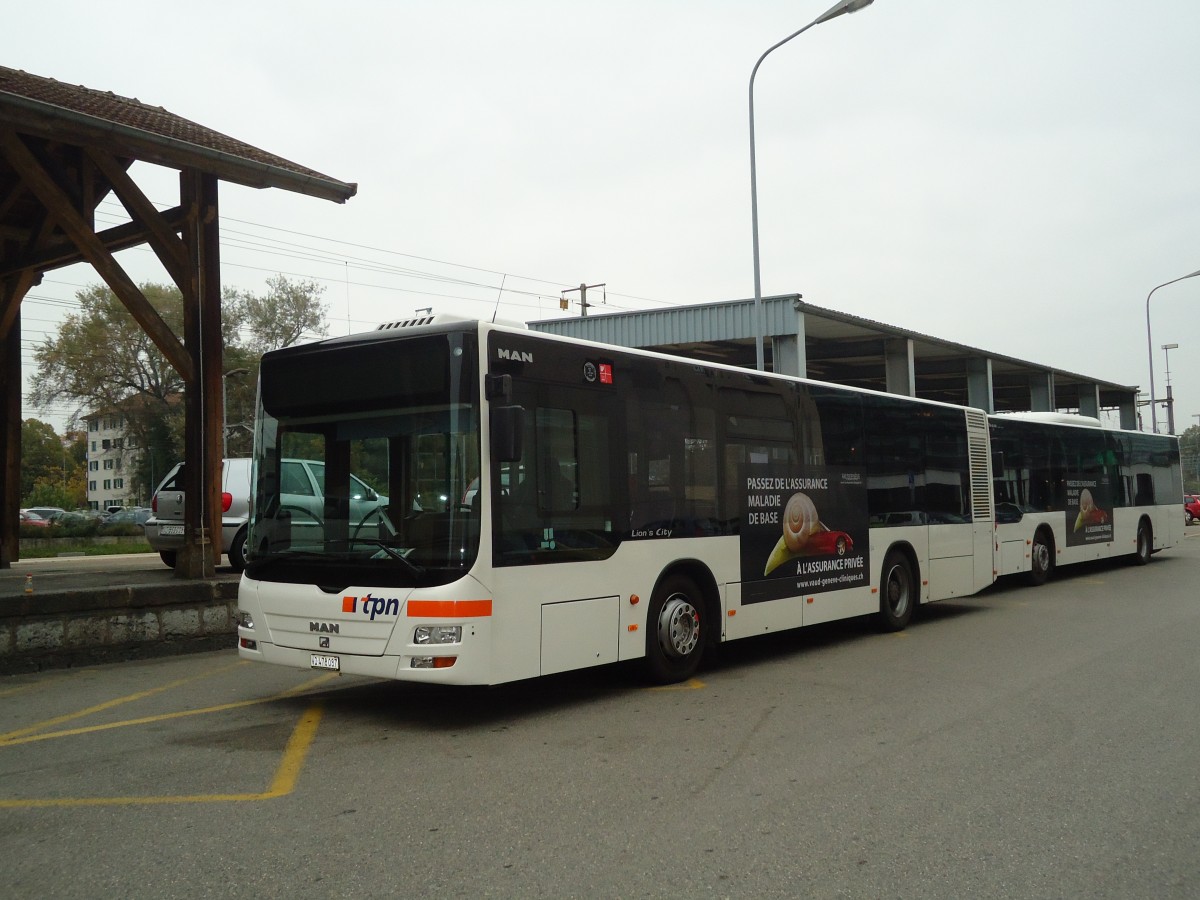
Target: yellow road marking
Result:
[109, 704]
[282, 784]
[692, 684]
[294, 753]
[162, 717]
[42, 682]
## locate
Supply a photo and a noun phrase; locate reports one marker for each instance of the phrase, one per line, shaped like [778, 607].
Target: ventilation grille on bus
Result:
[406, 323]
[427, 319]
[977, 451]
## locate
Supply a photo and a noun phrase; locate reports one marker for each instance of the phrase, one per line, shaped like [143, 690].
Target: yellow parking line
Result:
[294, 753]
[282, 784]
[162, 717]
[42, 682]
[109, 704]
[692, 684]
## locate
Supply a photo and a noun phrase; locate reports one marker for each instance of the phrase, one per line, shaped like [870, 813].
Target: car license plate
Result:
[170, 529]
[322, 661]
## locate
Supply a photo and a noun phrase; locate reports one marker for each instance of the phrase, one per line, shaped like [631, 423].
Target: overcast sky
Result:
[1015, 176]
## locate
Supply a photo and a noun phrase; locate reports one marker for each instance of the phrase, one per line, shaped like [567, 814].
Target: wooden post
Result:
[10, 432]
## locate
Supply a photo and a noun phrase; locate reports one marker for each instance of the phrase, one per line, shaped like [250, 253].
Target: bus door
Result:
[957, 503]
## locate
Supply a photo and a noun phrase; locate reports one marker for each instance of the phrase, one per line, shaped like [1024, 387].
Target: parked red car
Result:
[1191, 508]
[32, 518]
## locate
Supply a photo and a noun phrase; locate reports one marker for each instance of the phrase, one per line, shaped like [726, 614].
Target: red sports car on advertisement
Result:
[829, 543]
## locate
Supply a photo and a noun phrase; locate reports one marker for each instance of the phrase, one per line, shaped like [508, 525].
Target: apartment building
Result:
[109, 462]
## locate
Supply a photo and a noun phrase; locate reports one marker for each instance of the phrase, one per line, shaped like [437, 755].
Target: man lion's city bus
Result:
[497, 504]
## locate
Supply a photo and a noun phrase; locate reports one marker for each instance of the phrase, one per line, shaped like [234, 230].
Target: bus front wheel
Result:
[675, 630]
[897, 592]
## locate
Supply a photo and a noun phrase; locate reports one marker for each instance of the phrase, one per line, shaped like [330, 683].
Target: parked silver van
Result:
[164, 529]
[303, 490]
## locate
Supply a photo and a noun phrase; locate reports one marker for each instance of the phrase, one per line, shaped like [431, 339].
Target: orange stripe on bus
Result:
[448, 609]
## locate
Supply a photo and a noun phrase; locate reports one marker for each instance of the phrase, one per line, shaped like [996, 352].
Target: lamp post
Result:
[1150, 346]
[838, 9]
[232, 373]
[1167, 348]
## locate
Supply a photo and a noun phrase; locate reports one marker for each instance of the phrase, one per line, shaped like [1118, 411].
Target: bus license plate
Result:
[321, 661]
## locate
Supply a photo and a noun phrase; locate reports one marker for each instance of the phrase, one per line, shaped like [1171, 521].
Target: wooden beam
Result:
[10, 432]
[13, 290]
[212, 350]
[162, 238]
[201, 548]
[60, 208]
[7, 201]
[119, 237]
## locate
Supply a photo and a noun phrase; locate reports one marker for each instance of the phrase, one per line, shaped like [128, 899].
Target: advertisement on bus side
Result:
[1089, 510]
[803, 534]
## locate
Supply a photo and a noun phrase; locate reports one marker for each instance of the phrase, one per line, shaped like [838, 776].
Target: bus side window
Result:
[558, 499]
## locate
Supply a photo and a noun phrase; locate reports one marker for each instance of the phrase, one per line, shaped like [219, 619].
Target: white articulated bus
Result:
[553, 504]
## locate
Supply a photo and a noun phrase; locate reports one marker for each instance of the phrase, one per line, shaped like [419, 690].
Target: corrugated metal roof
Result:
[839, 347]
[698, 323]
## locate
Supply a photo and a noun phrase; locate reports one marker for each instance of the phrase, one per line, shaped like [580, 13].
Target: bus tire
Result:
[1041, 556]
[897, 592]
[168, 557]
[237, 552]
[675, 630]
[1145, 543]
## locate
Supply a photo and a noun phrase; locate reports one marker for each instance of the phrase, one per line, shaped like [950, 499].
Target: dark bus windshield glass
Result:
[370, 486]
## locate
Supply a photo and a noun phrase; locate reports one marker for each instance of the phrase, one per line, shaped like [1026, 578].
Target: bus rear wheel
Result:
[1041, 557]
[675, 630]
[897, 592]
[1145, 543]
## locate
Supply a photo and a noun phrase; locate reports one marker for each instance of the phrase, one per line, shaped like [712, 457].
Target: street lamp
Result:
[1167, 348]
[232, 373]
[1150, 346]
[845, 6]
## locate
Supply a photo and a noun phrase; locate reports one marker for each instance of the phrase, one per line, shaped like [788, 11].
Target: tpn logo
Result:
[371, 606]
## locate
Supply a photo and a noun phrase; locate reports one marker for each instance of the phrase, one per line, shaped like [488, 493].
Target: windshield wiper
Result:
[288, 555]
[414, 569]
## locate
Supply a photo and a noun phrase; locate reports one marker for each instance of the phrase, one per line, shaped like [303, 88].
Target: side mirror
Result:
[507, 432]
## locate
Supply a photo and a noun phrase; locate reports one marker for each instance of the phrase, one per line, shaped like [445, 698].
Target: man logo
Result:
[324, 642]
[514, 355]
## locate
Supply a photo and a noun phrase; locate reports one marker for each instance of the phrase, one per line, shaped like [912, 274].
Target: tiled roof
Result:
[168, 138]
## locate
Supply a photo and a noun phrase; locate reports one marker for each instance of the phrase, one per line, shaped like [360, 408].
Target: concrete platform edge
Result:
[72, 628]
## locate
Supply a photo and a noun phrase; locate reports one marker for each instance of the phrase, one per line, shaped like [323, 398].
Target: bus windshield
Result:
[376, 489]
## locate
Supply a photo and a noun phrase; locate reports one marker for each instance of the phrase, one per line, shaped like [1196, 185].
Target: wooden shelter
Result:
[63, 149]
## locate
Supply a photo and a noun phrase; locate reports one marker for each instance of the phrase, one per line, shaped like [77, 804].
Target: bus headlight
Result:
[437, 634]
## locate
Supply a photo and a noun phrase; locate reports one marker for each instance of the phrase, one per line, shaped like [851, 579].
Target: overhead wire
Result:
[258, 243]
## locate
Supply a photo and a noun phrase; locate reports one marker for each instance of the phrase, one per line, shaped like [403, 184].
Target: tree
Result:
[102, 361]
[42, 455]
[1189, 453]
[287, 312]
[53, 469]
